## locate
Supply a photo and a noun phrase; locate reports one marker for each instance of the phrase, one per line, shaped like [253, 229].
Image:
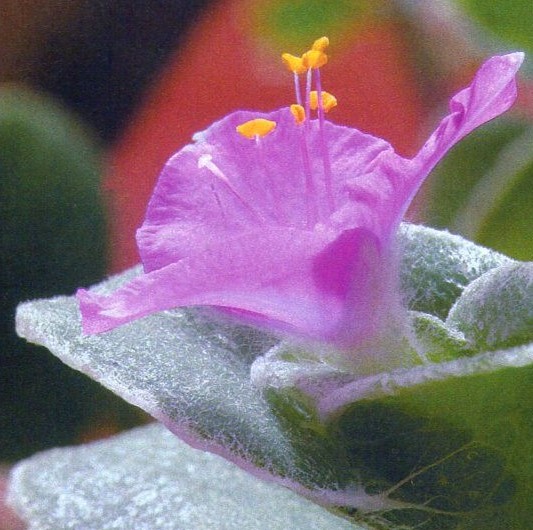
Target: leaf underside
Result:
[439, 446]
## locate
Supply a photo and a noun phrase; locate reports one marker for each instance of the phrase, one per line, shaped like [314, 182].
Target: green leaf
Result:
[146, 479]
[455, 450]
[439, 342]
[297, 23]
[436, 267]
[52, 240]
[496, 310]
[483, 189]
[510, 20]
[509, 224]
[51, 210]
[442, 445]
[183, 368]
[445, 445]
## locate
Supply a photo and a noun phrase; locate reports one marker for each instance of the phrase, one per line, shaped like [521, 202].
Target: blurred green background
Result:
[71, 75]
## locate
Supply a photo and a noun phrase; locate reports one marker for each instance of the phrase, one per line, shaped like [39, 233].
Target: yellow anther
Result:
[314, 59]
[256, 128]
[320, 44]
[299, 113]
[293, 63]
[328, 100]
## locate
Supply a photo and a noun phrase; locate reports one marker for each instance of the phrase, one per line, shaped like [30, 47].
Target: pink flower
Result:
[293, 228]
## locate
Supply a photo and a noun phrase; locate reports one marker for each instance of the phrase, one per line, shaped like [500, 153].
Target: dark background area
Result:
[96, 58]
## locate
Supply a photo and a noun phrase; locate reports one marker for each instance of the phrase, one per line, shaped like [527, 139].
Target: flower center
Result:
[255, 129]
[311, 100]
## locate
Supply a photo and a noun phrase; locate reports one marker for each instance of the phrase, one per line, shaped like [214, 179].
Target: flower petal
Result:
[256, 272]
[224, 184]
[229, 225]
[491, 93]
[289, 280]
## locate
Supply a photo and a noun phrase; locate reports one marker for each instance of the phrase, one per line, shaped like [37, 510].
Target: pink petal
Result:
[191, 207]
[228, 223]
[491, 93]
[281, 277]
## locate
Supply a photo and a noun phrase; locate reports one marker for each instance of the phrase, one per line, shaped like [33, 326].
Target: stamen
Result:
[299, 113]
[310, 190]
[257, 128]
[311, 61]
[329, 101]
[314, 59]
[308, 93]
[293, 63]
[328, 177]
[206, 161]
[320, 44]
[297, 89]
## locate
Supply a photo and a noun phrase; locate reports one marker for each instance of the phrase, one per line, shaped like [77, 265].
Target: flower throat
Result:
[318, 100]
